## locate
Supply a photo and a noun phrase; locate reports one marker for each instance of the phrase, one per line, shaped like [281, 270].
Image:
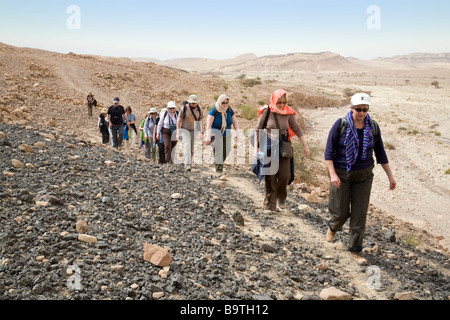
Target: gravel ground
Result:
[126, 202]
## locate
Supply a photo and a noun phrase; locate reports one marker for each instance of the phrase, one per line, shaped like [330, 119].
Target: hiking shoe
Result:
[187, 168]
[330, 235]
[358, 259]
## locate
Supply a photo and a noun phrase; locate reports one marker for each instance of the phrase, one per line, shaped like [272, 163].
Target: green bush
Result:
[389, 146]
[447, 172]
[248, 112]
[250, 82]
[261, 102]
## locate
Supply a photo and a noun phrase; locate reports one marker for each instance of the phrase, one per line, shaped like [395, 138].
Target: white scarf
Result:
[222, 111]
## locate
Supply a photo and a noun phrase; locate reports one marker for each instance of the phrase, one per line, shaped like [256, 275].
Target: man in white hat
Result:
[149, 127]
[166, 129]
[190, 123]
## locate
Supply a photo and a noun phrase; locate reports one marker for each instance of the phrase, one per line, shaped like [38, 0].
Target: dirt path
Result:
[306, 236]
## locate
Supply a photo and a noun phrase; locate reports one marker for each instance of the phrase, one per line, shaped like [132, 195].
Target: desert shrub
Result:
[241, 77]
[435, 83]
[349, 92]
[412, 240]
[261, 102]
[250, 82]
[248, 112]
[389, 146]
[225, 87]
[447, 172]
[402, 129]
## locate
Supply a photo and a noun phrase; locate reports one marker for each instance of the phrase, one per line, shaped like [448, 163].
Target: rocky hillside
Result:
[76, 220]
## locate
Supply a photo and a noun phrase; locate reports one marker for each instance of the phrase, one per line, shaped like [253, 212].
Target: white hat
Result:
[361, 99]
[193, 99]
[171, 105]
[153, 110]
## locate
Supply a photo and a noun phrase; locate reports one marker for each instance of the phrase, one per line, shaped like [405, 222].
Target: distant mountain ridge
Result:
[308, 62]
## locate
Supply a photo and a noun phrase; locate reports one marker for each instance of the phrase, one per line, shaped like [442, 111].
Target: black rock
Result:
[267, 247]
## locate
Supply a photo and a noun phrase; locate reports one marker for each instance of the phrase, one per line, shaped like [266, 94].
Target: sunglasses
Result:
[225, 102]
[361, 110]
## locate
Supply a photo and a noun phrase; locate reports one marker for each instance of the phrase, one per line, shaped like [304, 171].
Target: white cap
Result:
[361, 99]
[171, 105]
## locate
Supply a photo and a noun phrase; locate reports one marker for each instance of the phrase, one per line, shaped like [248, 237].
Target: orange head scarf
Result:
[273, 108]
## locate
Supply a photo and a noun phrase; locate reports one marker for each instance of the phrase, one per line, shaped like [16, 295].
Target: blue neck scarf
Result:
[352, 140]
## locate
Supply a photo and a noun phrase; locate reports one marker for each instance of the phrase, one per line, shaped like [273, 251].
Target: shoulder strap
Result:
[344, 125]
[266, 119]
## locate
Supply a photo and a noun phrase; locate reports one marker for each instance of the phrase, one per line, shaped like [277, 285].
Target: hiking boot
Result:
[358, 259]
[330, 235]
[187, 168]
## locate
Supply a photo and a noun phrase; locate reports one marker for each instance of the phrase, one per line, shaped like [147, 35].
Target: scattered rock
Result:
[322, 267]
[176, 196]
[238, 218]
[17, 164]
[86, 238]
[218, 183]
[82, 226]
[26, 148]
[305, 208]
[404, 296]
[268, 248]
[334, 294]
[156, 255]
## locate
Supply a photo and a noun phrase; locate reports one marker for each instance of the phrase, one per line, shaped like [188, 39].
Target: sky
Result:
[168, 29]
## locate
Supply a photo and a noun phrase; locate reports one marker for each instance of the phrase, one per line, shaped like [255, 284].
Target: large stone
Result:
[404, 296]
[17, 164]
[219, 183]
[334, 294]
[305, 207]
[86, 238]
[82, 226]
[26, 148]
[156, 255]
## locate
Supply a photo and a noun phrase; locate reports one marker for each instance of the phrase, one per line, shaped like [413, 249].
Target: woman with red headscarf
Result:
[278, 116]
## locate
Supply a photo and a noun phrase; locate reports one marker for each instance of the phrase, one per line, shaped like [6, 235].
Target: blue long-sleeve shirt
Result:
[335, 149]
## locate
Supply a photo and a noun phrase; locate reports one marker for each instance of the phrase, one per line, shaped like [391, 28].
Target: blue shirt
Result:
[217, 124]
[335, 150]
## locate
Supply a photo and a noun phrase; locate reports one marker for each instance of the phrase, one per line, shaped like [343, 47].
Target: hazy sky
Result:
[225, 29]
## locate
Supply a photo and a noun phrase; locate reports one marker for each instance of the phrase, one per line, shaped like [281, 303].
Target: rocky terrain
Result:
[77, 217]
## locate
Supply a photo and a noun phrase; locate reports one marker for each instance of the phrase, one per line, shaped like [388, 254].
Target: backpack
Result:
[103, 123]
[344, 125]
[185, 105]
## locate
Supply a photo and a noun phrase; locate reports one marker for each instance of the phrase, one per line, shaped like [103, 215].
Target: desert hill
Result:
[250, 63]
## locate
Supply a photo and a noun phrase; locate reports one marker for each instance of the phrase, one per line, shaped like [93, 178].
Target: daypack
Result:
[185, 105]
[344, 125]
[103, 122]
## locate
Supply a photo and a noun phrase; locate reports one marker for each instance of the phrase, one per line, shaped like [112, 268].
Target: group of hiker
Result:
[352, 142]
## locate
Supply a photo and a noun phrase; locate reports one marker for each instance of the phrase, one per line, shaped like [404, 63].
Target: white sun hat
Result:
[171, 105]
[361, 99]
